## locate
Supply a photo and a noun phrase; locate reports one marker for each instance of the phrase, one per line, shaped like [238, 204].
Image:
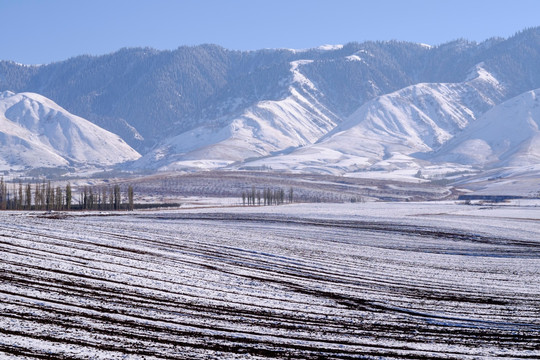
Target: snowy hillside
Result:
[267, 127]
[377, 107]
[146, 95]
[36, 132]
[386, 132]
[507, 135]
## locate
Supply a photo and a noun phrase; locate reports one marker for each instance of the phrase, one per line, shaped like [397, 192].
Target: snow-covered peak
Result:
[6, 94]
[386, 132]
[480, 73]
[37, 132]
[508, 134]
[328, 47]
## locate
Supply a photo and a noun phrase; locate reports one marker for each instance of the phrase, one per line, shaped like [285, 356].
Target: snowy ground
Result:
[364, 280]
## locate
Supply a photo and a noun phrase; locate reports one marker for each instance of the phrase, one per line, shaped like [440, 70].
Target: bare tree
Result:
[91, 199]
[37, 196]
[291, 195]
[58, 199]
[3, 194]
[68, 196]
[111, 199]
[104, 198]
[130, 198]
[117, 199]
[20, 200]
[49, 196]
[28, 197]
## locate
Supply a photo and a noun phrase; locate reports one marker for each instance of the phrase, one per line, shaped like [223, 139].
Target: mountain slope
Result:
[36, 132]
[269, 126]
[507, 135]
[368, 105]
[145, 95]
[385, 132]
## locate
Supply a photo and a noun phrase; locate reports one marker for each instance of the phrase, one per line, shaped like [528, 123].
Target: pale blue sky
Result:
[38, 31]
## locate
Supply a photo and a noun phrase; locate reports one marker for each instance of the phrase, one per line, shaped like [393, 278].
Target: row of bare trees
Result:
[44, 196]
[106, 198]
[267, 196]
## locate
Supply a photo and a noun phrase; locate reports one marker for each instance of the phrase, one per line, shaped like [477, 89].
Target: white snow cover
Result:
[36, 132]
[262, 129]
[391, 136]
[329, 47]
[383, 133]
[326, 281]
[326, 47]
[507, 135]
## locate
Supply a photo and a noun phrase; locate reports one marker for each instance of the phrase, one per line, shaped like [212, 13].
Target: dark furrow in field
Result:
[218, 256]
[456, 298]
[328, 329]
[238, 260]
[234, 344]
[348, 302]
[426, 293]
[152, 335]
[351, 224]
[94, 291]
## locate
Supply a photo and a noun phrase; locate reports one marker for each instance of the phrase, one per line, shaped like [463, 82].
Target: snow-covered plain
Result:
[370, 281]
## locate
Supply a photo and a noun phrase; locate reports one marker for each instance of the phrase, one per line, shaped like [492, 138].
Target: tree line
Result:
[103, 198]
[44, 196]
[267, 196]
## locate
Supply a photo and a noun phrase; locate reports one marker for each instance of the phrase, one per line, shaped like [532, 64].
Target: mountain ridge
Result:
[36, 132]
[482, 145]
[418, 118]
[142, 87]
[205, 106]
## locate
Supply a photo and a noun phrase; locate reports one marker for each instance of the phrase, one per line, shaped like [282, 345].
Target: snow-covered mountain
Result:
[359, 107]
[386, 132]
[36, 132]
[264, 128]
[145, 95]
[507, 135]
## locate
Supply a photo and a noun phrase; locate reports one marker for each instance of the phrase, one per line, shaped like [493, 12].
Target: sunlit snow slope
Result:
[507, 135]
[267, 127]
[36, 132]
[385, 132]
